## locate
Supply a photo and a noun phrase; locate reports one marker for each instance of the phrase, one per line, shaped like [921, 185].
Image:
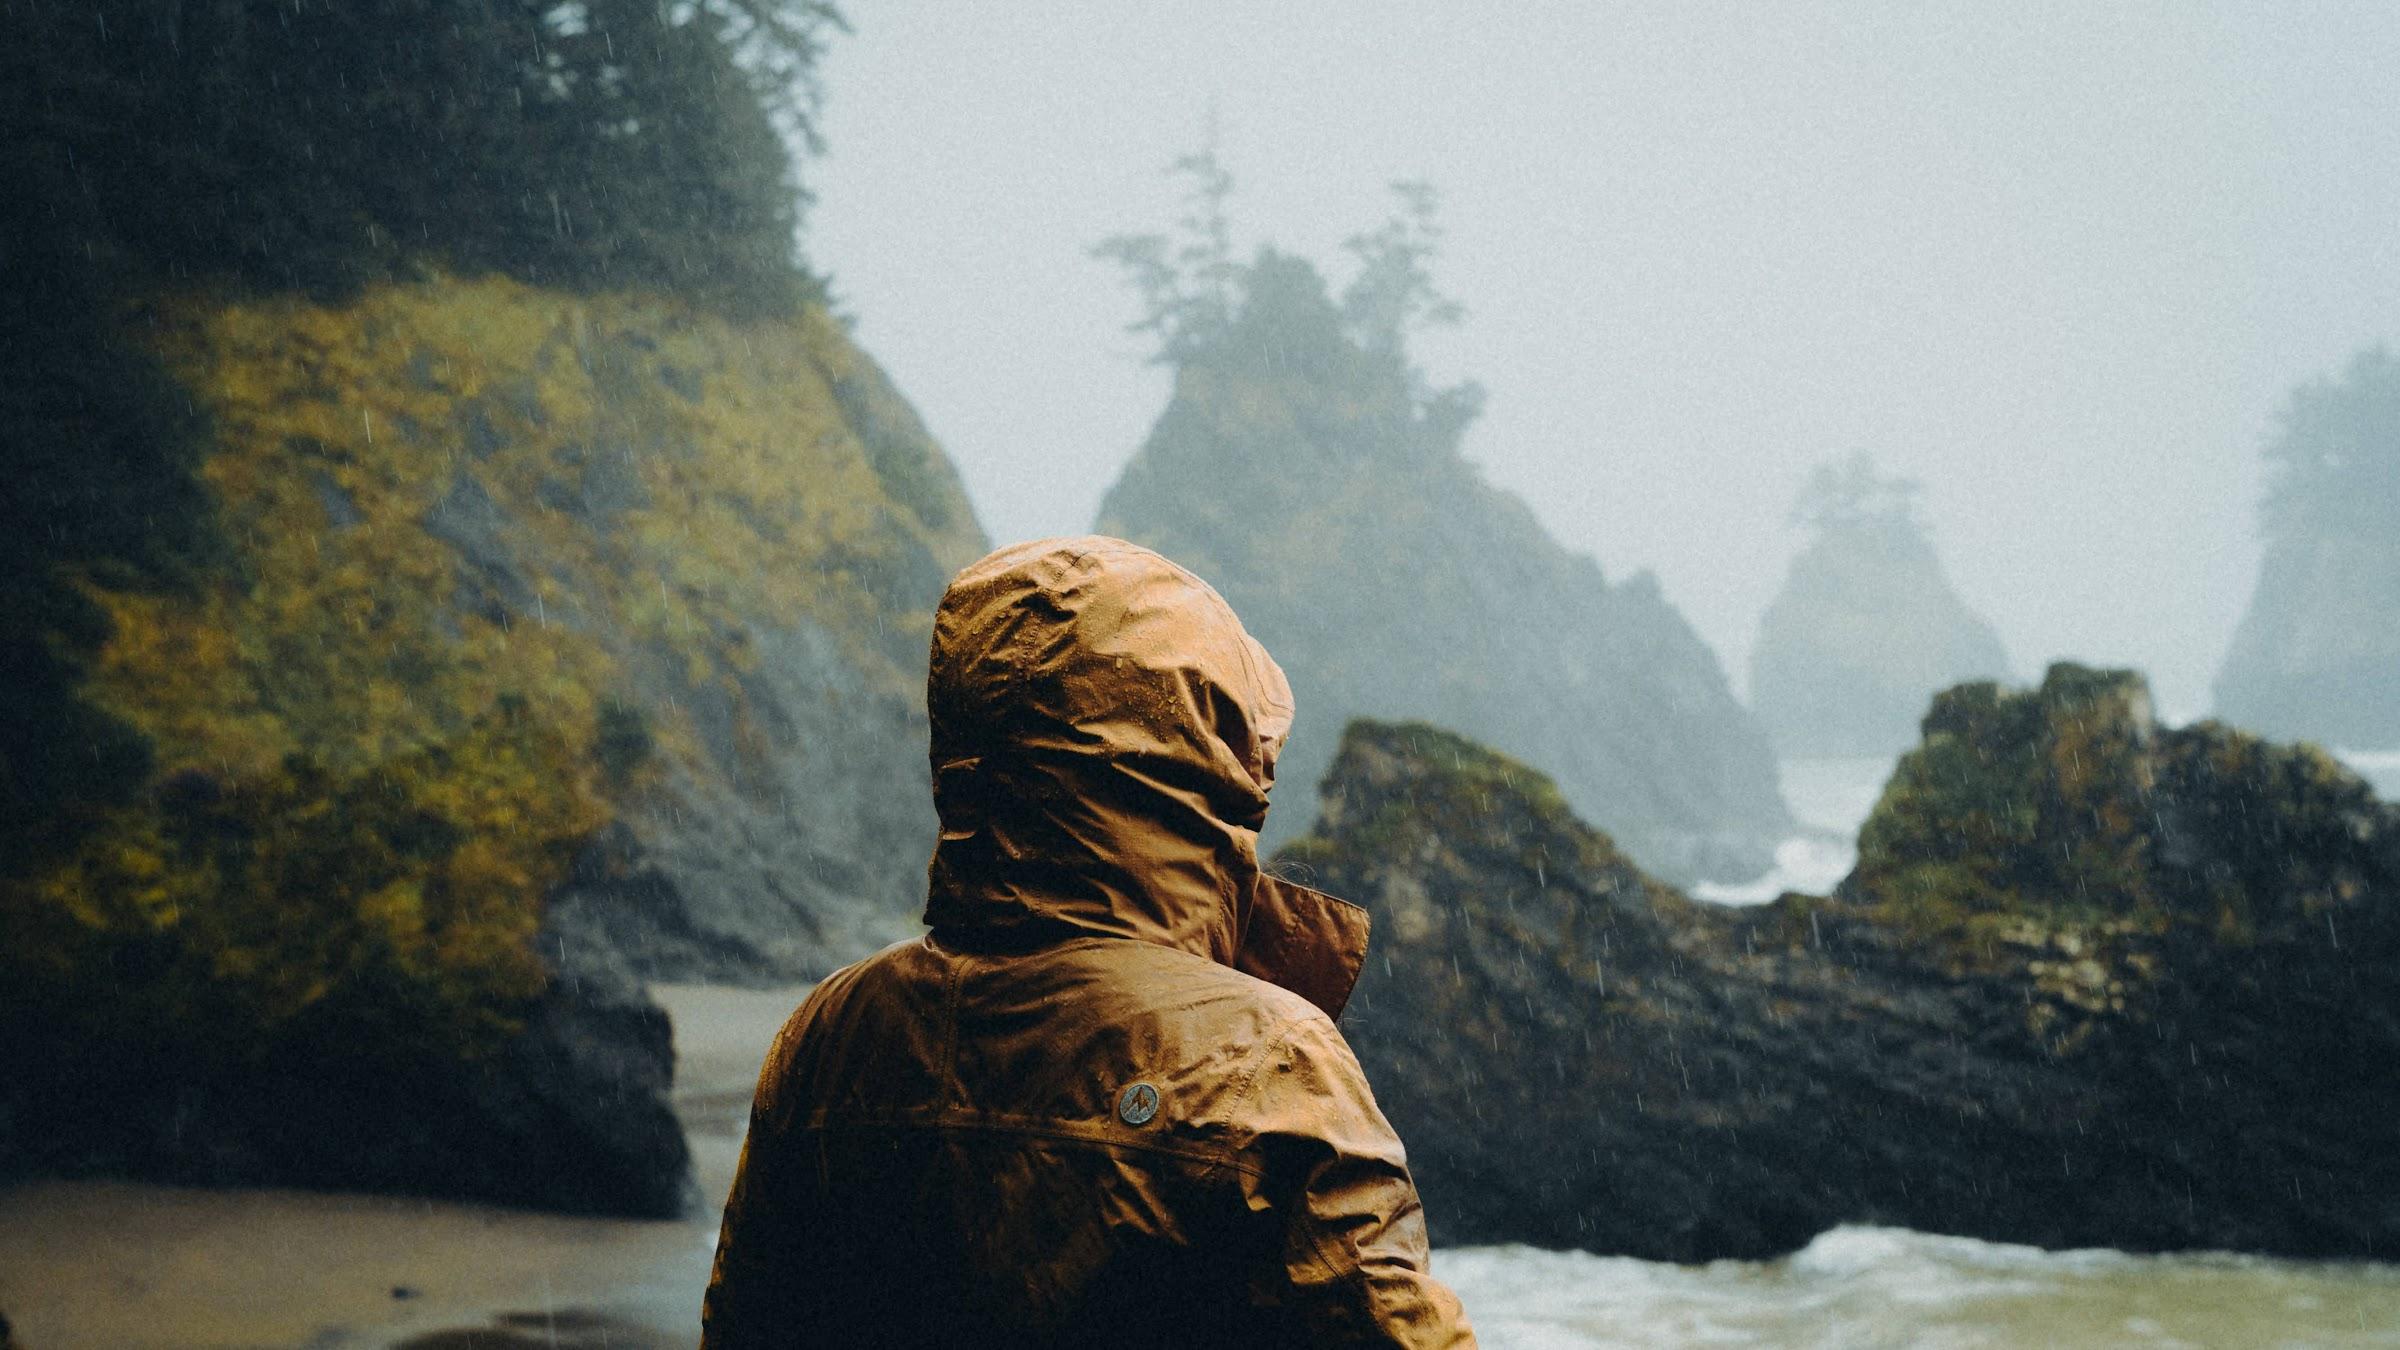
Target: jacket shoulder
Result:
[864, 1033]
[1180, 997]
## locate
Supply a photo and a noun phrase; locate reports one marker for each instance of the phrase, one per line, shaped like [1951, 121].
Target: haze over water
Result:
[2060, 262]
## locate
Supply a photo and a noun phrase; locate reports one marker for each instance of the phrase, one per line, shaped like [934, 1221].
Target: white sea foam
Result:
[1831, 799]
[1811, 863]
[1871, 1287]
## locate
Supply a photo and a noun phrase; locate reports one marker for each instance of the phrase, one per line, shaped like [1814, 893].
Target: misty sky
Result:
[2062, 263]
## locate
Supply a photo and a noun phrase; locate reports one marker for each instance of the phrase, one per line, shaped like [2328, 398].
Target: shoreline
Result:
[127, 1265]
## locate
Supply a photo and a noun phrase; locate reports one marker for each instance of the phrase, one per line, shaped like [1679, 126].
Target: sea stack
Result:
[1304, 470]
[2317, 655]
[1866, 627]
[2086, 966]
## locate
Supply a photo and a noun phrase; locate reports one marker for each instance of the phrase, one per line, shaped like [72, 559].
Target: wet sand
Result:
[129, 1265]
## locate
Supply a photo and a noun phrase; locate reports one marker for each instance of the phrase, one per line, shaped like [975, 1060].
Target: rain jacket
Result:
[1103, 1100]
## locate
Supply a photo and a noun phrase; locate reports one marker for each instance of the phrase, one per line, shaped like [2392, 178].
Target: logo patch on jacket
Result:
[1137, 1104]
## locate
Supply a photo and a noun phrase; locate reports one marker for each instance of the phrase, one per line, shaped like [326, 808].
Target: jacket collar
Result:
[1304, 940]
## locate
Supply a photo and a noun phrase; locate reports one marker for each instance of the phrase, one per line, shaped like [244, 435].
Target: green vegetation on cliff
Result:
[452, 536]
[161, 150]
[2070, 804]
[497, 562]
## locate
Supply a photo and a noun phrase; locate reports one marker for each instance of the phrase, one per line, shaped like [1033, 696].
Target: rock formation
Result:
[2317, 655]
[2094, 982]
[600, 616]
[457, 568]
[1866, 627]
[1299, 472]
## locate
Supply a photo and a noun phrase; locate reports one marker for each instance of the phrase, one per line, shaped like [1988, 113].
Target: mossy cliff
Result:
[2095, 982]
[1304, 472]
[553, 640]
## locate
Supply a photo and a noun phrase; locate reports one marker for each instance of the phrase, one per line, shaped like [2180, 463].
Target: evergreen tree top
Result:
[1851, 493]
[1199, 305]
[2334, 462]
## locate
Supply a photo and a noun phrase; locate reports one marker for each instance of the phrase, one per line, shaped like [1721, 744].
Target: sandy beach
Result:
[128, 1265]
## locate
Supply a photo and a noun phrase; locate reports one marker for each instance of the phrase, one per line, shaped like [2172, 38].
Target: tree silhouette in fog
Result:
[1193, 294]
[2334, 463]
[320, 145]
[1851, 491]
[2315, 654]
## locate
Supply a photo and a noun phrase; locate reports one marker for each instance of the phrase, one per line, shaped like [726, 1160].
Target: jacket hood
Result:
[1104, 735]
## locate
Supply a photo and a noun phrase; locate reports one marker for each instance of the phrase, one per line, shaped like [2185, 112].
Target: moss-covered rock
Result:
[2069, 803]
[558, 640]
[2095, 982]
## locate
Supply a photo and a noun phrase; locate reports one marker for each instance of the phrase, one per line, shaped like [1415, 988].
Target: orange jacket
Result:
[1102, 1101]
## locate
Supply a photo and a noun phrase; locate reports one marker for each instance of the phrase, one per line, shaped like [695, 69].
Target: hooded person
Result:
[1102, 1100]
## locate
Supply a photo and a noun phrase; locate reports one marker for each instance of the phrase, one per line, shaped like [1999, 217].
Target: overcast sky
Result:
[2061, 263]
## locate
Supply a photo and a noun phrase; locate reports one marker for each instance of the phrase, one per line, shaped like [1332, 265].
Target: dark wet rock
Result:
[571, 1113]
[1307, 480]
[2096, 982]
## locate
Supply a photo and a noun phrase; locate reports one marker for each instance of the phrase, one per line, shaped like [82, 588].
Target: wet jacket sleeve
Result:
[1354, 1251]
[753, 1284]
[758, 1283]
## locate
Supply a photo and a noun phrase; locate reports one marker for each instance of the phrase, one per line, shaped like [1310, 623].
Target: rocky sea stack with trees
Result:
[1866, 627]
[2095, 982]
[458, 567]
[1310, 471]
[2318, 652]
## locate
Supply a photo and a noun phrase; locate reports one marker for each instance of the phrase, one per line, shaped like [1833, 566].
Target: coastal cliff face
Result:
[2317, 655]
[554, 641]
[2094, 982]
[1865, 629]
[1296, 470]
[456, 570]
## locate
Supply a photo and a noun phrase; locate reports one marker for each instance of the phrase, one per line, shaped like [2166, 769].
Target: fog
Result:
[2061, 263]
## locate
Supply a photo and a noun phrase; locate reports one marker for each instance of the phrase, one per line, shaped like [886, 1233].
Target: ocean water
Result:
[1830, 798]
[1862, 1288]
